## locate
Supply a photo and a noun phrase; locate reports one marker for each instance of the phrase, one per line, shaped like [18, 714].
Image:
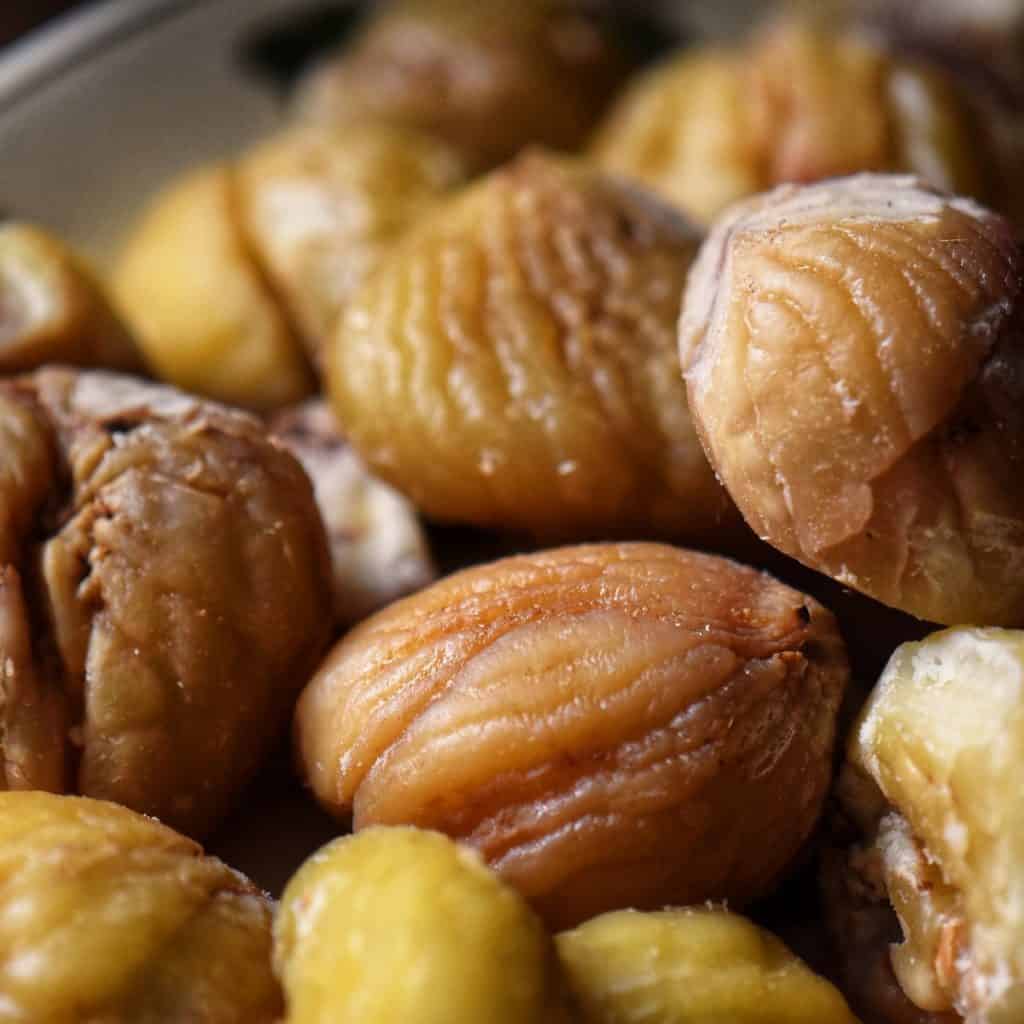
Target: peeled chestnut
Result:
[512, 363]
[798, 103]
[53, 311]
[106, 915]
[379, 550]
[854, 353]
[164, 594]
[932, 784]
[611, 725]
[486, 76]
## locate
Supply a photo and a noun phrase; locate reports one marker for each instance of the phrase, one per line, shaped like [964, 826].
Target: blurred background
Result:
[18, 16]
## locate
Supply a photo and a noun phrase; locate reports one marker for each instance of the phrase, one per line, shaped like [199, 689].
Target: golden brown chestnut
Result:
[187, 283]
[486, 76]
[512, 363]
[403, 926]
[609, 725]
[321, 207]
[53, 311]
[164, 594]
[106, 915]
[379, 550]
[853, 352]
[932, 782]
[798, 103]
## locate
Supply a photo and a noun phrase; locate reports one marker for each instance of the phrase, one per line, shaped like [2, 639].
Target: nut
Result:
[163, 594]
[109, 916]
[853, 358]
[202, 309]
[609, 725]
[489, 78]
[398, 926]
[52, 311]
[320, 208]
[692, 965]
[795, 104]
[512, 363]
[933, 781]
[379, 550]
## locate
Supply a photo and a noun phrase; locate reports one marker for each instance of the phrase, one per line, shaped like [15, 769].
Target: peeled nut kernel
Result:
[51, 309]
[321, 207]
[942, 739]
[106, 915]
[188, 284]
[379, 550]
[488, 77]
[164, 593]
[691, 966]
[512, 363]
[796, 104]
[609, 725]
[399, 926]
[853, 353]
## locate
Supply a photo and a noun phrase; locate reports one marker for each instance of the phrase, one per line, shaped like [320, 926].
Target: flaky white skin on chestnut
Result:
[854, 355]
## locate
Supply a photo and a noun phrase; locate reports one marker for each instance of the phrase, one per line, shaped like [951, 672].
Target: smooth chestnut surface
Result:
[609, 725]
[513, 362]
[164, 593]
[854, 353]
[106, 915]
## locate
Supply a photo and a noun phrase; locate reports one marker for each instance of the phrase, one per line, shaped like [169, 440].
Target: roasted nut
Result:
[398, 926]
[52, 311]
[164, 593]
[106, 915]
[512, 363]
[379, 550]
[609, 725]
[934, 776]
[187, 282]
[798, 104]
[689, 967]
[489, 77]
[321, 207]
[853, 352]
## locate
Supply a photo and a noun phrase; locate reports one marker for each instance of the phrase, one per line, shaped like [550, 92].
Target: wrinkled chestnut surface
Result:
[609, 725]
[189, 284]
[164, 593]
[379, 551]
[487, 76]
[932, 783]
[512, 363]
[106, 915]
[51, 309]
[797, 103]
[321, 207]
[853, 352]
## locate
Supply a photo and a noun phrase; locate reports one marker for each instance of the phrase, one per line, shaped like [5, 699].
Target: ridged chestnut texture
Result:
[322, 207]
[691, 966]
[164, 594]
[51, 309]
[106, 915]
[933, 780]
[403, 926]
[512, 363]
[797, 103]
[379, 549]
[487, 76]
[609, 725]
[854, 353]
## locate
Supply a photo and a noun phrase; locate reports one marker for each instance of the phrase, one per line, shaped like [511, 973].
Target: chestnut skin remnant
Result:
[854, 355]
[610, 725]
